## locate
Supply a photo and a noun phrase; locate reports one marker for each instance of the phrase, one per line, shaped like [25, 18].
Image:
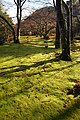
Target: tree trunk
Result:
[19, 15]
[18, 32]
[68, 26]
[57, 40]
[71, 32]
[18, 22]
[19, 4]
[62, 26]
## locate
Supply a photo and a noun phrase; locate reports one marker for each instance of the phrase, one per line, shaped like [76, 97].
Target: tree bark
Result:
[19, 4]
[71, 32]
[68, 26]
[62, 26]
[18, 21]
[57, 40]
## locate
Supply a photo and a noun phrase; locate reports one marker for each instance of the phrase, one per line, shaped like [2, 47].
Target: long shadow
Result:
[36, 64]
[67, 112]
[24, 67]
[23, 50]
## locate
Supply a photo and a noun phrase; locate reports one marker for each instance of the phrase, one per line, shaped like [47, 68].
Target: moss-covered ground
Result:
[33, 86]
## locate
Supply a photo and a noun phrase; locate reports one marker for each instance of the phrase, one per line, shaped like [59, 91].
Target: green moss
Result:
[34, 87]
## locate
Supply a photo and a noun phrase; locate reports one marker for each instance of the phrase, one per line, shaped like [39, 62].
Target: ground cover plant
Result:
[33, 86]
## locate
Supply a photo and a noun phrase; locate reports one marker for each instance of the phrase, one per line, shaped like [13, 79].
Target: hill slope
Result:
[39, 21]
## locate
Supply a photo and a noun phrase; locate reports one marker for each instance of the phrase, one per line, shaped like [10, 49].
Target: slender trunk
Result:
[18, 24]
[71, 32]
[57, 40]
[18, 28]
[19, 15]
[19, 4]
[68, 27]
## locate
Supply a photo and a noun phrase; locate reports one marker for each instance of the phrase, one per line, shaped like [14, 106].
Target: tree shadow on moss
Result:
[36, 64]
[68, 113]
[23, 50]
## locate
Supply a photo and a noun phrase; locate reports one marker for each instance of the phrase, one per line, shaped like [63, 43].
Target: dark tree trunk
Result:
[18, 22]
[18, 30]
[68, 26]
[63, 32]
[57, 40]
[19, 4]
[71, 32]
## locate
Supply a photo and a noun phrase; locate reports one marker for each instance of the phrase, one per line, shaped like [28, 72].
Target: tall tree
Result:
[68, 25]
[57, 40]
[61, 21]
[71, 32]
[19, 4]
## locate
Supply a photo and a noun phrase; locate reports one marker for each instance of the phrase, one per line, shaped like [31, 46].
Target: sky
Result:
[28, 8]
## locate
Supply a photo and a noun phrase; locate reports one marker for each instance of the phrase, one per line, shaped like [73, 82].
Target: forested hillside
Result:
[40, 22]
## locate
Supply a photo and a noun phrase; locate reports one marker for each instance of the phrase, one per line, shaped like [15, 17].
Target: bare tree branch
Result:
[54, 4]
[23, 2]
[15, 2]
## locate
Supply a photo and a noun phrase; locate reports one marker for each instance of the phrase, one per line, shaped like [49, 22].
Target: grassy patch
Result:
[34, 87]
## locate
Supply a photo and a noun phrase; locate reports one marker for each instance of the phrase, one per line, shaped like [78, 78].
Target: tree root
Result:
[64, 57]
